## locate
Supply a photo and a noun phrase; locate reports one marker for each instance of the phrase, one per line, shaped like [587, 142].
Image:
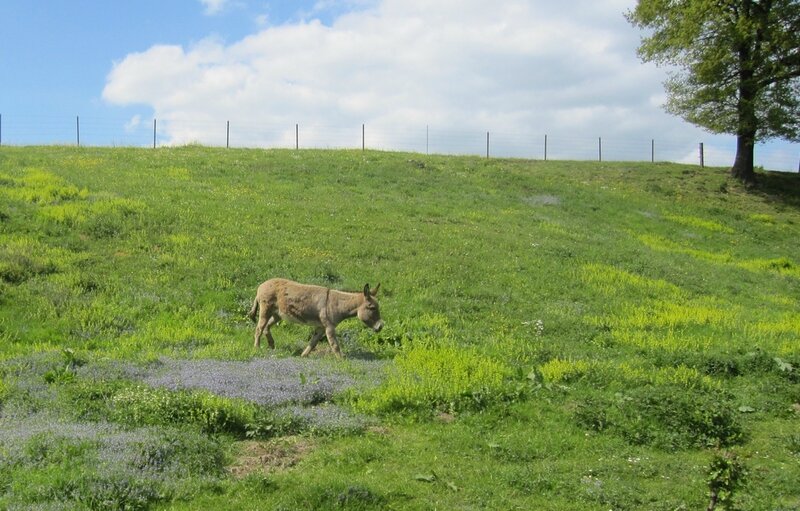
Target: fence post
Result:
[652, 150]
[545, 148]
[296, 136]
[154, 133]
[599, 148]
[487, 144]
[702, 156]
[78, 129]
[228, 135]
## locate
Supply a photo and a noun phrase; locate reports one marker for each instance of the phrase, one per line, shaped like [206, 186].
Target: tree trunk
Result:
[743, 164]
[746, 112]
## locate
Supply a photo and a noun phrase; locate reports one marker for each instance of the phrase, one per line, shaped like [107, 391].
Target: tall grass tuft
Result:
[426, 379]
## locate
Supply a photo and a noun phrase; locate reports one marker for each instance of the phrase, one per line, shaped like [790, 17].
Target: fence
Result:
[105, 131]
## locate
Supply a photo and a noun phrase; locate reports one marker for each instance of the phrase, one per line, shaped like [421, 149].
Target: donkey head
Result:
[369, 312]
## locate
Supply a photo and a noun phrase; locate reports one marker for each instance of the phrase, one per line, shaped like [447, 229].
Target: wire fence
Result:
[136, 132]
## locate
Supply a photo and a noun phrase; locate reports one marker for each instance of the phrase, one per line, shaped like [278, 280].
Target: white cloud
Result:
[715, 154]
[516, 68]
[133, 124]
[213, 6]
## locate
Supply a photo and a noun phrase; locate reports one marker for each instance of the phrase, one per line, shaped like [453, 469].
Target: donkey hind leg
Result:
[270, 340]
[260, 326]
[331, 333]
[265, 320]
[316, 335]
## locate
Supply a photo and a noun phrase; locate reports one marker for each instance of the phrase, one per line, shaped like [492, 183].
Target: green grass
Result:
[559, 335]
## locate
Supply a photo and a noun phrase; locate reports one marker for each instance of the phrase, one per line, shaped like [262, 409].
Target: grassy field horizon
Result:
[559, 334]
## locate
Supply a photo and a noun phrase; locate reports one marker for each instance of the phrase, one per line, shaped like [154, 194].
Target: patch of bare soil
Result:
[446, 418]
[542, 200]
[270, 456]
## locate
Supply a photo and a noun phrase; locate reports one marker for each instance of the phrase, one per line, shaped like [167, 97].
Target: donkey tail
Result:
[253, 310]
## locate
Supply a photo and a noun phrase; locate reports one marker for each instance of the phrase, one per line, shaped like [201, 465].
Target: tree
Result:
[737, 66]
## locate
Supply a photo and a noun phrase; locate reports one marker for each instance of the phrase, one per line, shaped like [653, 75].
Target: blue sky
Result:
[56, 54]
[423, 76]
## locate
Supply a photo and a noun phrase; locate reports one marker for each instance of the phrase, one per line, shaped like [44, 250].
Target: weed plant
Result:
[446, 379]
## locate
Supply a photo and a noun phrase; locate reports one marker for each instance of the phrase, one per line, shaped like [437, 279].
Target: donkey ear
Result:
[374, 292]
[366, 290]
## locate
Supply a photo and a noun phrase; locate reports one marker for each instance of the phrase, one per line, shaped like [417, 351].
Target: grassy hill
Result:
[559, 335]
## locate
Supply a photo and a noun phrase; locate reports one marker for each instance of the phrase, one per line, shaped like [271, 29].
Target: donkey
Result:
[315, 306]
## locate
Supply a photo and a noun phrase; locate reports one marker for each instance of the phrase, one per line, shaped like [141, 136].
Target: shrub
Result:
[260, 398]
[45, 449]
[358, 497]
[49, 464]
[90, 400]
[424, 379]
[721, 366]
[175, 451]
[112, 217]
[668, 417]
[142, 405]
[64, 373]
[726, 473]
[338, 496]
[564, 371]
[42, 187]
[603, 373]
[793, 444]
[758, 362]
[24, 258]
[115, 491]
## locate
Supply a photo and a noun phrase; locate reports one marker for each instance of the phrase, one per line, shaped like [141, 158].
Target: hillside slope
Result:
[558, 334]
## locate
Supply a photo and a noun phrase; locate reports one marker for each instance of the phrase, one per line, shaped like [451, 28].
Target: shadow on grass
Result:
[782, 187]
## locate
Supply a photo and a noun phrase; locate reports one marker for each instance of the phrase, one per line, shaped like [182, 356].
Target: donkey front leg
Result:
[316, 335]
[331, 333]
[264, 322]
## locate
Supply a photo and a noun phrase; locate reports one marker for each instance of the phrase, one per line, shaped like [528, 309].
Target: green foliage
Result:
[41, 187]
[793, 442]
[352, 497]
[726, 474]
[126, 471]
[740, 70]
[22, 259]
[137, 405]
[667, 417]
[90, 399]
[424, 379]
[44, 449]
[624, 374]
[64, 373]
[670, 325]
[729, 50]
[140, 405]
